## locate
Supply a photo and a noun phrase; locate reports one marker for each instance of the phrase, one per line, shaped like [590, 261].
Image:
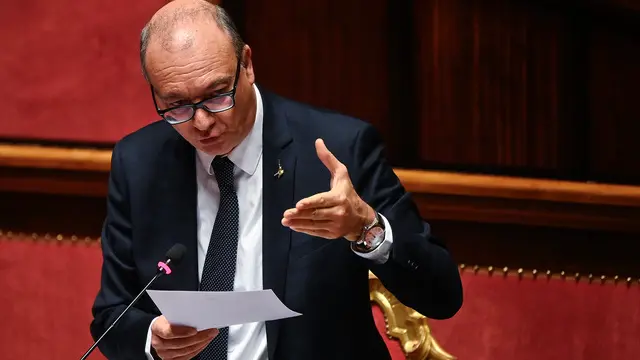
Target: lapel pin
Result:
[280, 171]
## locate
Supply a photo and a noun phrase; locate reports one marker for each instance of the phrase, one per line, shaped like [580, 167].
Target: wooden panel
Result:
[490, 210]
[627, 6]
[434, 182]
[471, 242]
[486, 220]
[614, 92]
[541, 247]
[440, 195]
[329, 54]
[50, 157]
[46, 181]
[492, 75]
[42, 213]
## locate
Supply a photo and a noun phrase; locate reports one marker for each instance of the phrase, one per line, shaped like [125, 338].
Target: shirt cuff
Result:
[381, 254]
[147, 346]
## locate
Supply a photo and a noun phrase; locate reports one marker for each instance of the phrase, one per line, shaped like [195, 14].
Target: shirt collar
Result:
[247, 154]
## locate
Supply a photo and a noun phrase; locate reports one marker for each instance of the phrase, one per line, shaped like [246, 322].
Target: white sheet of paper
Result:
[212, 309]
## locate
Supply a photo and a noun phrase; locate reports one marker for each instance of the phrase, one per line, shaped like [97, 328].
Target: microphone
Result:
[173, 258]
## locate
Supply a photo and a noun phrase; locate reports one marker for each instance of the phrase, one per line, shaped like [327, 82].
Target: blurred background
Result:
[514, 123]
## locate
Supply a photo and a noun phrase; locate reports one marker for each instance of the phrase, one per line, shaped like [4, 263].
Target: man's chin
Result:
[215, 148]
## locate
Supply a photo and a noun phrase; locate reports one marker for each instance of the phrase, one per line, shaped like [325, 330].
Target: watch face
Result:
[373, 234]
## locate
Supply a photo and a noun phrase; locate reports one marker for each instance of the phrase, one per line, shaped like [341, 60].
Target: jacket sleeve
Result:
[420, 271]
[119, 282]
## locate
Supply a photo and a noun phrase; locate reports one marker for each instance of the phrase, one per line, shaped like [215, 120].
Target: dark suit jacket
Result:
[152, 205]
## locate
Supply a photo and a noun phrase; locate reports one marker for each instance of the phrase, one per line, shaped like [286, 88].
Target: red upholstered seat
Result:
[48, 286]
[526, 317]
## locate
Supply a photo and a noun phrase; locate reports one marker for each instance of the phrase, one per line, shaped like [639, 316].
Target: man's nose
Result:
[203, 120]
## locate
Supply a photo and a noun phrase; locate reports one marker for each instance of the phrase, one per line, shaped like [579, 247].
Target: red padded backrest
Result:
[48, 288]
[511, 318]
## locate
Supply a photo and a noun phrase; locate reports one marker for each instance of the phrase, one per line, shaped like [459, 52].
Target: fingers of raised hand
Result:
[322, 200]
[311, 214]
[326, 234]
[328, 223]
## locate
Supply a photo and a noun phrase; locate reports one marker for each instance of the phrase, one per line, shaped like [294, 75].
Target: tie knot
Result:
[223, 169]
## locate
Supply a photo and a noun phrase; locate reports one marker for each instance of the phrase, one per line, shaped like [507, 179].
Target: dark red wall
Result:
[69, 70]
[533, 88]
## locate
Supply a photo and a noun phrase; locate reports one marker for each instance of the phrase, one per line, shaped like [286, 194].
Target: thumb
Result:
[327, 158]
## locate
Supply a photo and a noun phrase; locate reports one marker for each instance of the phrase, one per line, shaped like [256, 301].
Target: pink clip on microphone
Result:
[165, 267]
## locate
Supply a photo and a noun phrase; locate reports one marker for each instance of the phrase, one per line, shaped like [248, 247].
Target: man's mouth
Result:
[210, 139]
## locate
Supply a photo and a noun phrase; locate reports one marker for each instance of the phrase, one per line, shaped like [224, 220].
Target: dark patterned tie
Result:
[220, 263]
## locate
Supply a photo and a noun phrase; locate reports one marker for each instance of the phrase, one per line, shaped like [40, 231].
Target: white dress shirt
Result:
[246, 341]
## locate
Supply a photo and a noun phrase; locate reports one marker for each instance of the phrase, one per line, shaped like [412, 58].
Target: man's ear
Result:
[247, 63]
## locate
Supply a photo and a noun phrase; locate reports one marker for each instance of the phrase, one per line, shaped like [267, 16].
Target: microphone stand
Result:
[160, 273]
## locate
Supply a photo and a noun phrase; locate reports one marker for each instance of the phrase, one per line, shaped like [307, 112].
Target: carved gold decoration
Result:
[406, 325]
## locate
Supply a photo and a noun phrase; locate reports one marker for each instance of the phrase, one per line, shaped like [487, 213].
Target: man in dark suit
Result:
[246, 181]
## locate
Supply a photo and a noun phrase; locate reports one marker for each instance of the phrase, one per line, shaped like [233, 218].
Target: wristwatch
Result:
[371, 237]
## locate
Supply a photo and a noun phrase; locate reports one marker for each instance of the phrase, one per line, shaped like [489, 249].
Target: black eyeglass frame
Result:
[199, 104]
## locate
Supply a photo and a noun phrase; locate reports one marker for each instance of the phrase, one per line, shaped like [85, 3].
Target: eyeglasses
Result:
[183, 113]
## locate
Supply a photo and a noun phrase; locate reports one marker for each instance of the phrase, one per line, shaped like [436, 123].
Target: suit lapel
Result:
[278, 196]
[178, 222]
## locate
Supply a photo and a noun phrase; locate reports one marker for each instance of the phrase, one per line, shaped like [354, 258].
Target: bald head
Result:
[176, 26]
